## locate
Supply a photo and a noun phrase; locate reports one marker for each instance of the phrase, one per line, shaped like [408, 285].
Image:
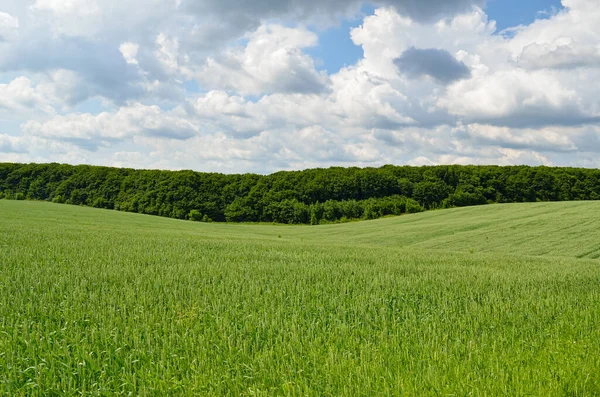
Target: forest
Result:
[313, 196]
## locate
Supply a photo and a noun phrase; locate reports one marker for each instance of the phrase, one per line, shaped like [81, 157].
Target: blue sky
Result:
[261, 86]
[510, 13]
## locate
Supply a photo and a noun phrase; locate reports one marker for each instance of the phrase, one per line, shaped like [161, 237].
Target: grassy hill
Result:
[500, 299]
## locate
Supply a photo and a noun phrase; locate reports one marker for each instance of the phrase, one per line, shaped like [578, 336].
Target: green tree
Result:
[195, 216]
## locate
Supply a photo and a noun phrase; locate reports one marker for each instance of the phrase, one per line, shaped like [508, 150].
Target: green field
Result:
[483, 301]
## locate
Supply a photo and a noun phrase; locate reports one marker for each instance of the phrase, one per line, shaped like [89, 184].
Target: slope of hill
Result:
[568, 229]
[493, 300]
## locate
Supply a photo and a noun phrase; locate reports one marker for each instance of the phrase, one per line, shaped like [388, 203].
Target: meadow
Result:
[484, 301]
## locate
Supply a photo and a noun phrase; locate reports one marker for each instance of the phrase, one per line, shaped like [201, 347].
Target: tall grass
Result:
[100, 303]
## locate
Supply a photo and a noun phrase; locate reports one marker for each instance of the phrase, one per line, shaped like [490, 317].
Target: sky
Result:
[265, 85]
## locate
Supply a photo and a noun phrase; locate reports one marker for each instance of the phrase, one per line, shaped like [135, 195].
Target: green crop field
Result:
[482, 301]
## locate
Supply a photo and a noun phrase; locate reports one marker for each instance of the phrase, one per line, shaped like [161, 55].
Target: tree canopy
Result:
[311, 196]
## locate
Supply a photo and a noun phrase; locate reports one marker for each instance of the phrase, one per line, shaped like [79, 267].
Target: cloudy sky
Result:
[266, 85]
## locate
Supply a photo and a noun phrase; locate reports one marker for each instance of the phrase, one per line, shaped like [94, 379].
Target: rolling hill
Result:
[499, 299]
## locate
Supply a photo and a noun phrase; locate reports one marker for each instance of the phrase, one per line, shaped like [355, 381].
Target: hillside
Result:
[492, 300]
[568, 229]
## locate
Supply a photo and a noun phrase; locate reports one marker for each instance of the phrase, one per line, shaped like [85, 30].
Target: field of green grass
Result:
[483, 301]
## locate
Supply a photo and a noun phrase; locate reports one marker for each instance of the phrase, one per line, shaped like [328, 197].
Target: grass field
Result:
[485, 301]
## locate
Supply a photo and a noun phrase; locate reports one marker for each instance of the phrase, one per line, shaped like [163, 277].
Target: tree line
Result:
[313, 196]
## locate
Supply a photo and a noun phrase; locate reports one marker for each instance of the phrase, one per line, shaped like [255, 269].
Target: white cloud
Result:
[563, 53]
[20, 98]
[129, 51]
[545, 139]
[63, 88]
[12, 144]
[68, 7]
[35, 149]
[261, 104]
[91, 131]
[9, 26]
[272, 61]
[167, 54]
[515, 98]
[108, 18]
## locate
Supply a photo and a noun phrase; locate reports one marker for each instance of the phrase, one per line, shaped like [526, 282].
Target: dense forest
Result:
[312, 196]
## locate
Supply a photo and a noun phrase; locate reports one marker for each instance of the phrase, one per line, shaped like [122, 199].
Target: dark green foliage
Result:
[431, 193]
[240, 210]
[464, 199]
[300, 197]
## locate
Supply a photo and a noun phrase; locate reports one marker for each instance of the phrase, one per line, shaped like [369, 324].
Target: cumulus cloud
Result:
[92, 131]
[9, 26]
[231, 87]
[564, 53]
[21, 97]
[129, 51]
[106, 18]
[517, 99]
[12, 144]
[102, 68]
[232, 115]
[68, 7]
[272, 61]
[539, 140]
[423, 10]
[435, 63]
[36, 149]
